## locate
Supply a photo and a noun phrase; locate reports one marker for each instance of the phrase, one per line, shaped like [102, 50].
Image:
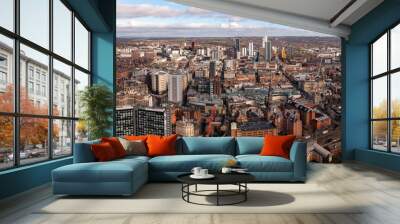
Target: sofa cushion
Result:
[206, 145]
[112, 171]
[277, 145]
[116, 145]
[161, 145]
[103, 152]
[185, 163]
[257, 163]
[249, 145]
[134, 147]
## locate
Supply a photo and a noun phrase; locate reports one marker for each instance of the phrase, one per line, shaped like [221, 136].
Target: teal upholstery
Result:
[206, 145]
[83, 152]
[298, 155]
[249, 145]
[257, 163]
[184, 163]
[125, 176]
[119, 177]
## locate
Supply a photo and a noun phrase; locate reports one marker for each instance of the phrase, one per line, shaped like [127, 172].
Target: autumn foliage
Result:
[380, 127]
[33, 131]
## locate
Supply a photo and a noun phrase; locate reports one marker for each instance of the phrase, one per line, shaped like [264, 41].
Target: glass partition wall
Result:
[385, 91]
[44, 64]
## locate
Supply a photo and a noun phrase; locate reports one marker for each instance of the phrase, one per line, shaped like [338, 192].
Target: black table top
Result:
[220, 178]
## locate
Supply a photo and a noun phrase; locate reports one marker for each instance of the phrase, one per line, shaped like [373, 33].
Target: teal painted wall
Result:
[103, 50]
[99, 15]
[356, 86]
[103, 62]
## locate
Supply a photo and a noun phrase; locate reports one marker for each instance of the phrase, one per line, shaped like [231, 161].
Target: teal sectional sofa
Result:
[125, 176]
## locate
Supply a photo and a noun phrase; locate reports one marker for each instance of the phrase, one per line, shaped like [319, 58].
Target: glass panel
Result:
[6, 142]
[379, 98]
[35, 21]
[395, 132]
[81, 82]
[7, 14]
[34, 97]
[379, 135]
[62, 89]
[81, 131]
[395, 47]
[62, 138]
[62, 29]
[33, 139]
[379, 55]
[81, 45]
[395, 94]
[6, 74]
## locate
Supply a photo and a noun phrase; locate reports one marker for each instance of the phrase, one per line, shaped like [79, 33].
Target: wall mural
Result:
[194, 72]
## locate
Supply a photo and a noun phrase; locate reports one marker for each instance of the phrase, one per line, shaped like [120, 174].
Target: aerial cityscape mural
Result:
[194, 72]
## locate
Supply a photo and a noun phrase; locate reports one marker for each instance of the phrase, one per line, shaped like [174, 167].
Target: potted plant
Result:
[96, 103]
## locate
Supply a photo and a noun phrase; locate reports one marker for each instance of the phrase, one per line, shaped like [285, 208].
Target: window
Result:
[62, 137]
[81, 45]
[7, 14]
[62, 79]
[7, 74]
[30, 72]
[43, 112]
[3, 61]
[62, 29]
[6, 142]
[385, 94]
[81, 82]
[35, 21]
[30, 88]
[3, 78]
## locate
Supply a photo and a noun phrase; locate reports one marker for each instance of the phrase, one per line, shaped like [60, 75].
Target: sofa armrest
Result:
[299, 158]
[83, 152]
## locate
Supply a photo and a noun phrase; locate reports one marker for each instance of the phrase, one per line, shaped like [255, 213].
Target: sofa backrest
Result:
[206, 145]
[249, 145]
[83, 152]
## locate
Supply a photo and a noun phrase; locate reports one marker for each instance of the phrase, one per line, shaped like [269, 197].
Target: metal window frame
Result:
[388, 74]
[16, 114]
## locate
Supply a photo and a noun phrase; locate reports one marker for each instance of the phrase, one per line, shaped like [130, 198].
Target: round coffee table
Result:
[238, 179]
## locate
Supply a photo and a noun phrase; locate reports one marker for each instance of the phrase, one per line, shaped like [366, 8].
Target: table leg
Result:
[195, 188]
[188, 190]
[245, 193]
[217, 194]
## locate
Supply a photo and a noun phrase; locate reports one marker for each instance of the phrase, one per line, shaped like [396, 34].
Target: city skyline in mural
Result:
[244, 78]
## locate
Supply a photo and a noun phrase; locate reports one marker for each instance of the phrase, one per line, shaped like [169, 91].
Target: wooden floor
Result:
[377, 188]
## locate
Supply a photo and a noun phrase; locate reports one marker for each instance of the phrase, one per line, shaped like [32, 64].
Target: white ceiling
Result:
[313, 15]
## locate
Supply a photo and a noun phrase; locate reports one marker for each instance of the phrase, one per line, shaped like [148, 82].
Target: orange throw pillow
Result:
[136, 138]
[161, 145]
[116, 145]
[103, 152]
[277, 145]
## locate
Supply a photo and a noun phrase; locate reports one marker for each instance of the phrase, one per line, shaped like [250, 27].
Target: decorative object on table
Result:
[230, 170]
[226, 170]
[239, 195]
[231, 163]
[196, 170]
[200, 173]
[97, 104]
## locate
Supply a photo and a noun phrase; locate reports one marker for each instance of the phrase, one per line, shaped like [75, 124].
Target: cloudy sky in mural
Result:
[158, 18]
